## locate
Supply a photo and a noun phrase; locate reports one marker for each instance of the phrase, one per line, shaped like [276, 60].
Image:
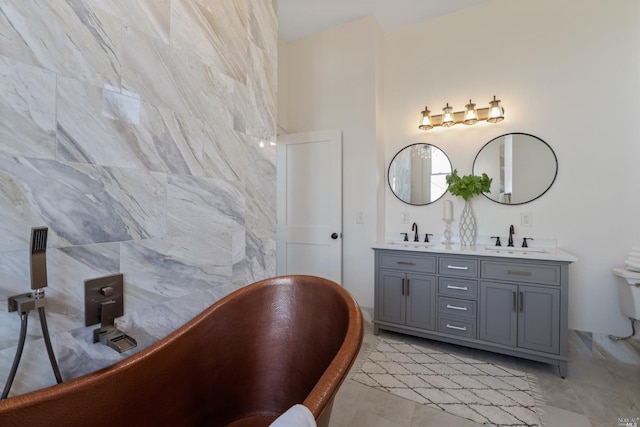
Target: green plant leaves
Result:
[468, 185]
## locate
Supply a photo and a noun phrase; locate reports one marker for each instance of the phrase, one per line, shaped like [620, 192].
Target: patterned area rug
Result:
[479, 391]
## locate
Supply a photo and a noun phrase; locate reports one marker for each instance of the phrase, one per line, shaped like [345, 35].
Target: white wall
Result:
[332, 79]
[566, 72]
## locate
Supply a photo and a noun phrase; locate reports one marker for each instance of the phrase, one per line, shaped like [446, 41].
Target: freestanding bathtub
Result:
[242, 362]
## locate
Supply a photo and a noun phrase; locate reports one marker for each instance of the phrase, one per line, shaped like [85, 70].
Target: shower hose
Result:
[23, 334]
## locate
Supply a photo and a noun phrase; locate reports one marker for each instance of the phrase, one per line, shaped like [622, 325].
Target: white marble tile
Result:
[69, 38]
[225, 153]
[262, 73]
[161, 269]
[108, 128]
[216, 33]
[27, 109]
[180, 81]
[203, 206]
[90, 125]
[264, 26]
[129, 141]
[151, 17]
[85, 204]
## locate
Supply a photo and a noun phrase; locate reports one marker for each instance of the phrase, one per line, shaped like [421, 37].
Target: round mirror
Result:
[523, 167]
[417, 174]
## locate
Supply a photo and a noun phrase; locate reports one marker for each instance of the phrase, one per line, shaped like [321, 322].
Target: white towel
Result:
[633, 259]
[632, 265]
[296, 416]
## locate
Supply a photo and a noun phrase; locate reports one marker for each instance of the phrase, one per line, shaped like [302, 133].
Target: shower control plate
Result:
[107, 289]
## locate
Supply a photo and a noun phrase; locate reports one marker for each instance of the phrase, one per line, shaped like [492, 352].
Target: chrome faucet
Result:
[414, 227]
[511, 233]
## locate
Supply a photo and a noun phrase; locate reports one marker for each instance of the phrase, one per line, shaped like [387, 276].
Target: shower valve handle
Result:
[107, 291]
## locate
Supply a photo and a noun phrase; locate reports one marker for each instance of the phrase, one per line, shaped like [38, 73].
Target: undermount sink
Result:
[514, 249]
[413, 244]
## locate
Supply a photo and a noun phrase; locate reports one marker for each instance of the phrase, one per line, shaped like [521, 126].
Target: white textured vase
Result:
[467, 226]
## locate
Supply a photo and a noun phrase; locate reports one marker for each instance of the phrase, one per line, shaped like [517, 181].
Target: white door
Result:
[309, 214]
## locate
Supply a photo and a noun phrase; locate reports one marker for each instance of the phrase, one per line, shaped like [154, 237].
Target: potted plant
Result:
[467, 187]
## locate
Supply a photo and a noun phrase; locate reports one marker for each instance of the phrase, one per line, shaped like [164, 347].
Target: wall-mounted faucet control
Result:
[103, 301]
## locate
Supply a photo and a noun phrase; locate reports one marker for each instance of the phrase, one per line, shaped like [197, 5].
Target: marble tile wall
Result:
[131, 129]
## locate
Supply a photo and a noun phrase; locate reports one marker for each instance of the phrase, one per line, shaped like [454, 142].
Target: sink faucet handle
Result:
[524, 241]
[426, 237]
[497, 240]
[406, 236]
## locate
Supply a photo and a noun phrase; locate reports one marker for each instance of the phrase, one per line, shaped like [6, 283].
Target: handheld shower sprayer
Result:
[38, 258]
[24, 303]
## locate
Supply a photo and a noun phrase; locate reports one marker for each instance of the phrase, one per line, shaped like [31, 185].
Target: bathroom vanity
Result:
[512, 301]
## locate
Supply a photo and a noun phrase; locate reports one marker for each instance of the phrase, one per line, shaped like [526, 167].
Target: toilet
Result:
[629, 292]
[629, 295]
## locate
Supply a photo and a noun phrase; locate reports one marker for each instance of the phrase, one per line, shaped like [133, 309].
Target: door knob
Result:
[334, 236]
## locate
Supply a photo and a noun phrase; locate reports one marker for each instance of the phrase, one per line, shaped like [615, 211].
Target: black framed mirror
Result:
[417, 174]
[523, 167]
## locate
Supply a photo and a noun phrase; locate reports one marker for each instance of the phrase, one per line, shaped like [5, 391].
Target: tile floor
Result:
[597, 392]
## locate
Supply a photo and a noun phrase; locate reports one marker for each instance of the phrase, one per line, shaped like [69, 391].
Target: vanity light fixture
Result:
[493, 114]
[425, 122]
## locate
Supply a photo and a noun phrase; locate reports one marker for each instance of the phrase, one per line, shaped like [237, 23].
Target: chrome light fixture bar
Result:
[492, 114]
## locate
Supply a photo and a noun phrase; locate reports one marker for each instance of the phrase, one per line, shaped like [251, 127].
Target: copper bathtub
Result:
[242, 362]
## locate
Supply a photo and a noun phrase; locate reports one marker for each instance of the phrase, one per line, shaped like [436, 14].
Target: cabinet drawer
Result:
[457, 308]
[460, 288]
[543, 274]
[422, 264]
[458, 267]
[465, 328]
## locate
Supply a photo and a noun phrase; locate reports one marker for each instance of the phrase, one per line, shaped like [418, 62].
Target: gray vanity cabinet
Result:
[513, 306]
[520, 316]
[404, 297]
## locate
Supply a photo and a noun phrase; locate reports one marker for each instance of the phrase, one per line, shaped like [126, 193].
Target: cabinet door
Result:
[390, 296]
[421, 301]
[498, 315]
[539, 318]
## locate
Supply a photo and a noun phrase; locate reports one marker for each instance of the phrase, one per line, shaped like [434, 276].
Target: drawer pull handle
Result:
[406, 263]
[456, 267]
[455, 307]
[519, 273]
[457, 328]
[458, 288]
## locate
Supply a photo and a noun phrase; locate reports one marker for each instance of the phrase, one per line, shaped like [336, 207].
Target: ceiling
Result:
[301, 18]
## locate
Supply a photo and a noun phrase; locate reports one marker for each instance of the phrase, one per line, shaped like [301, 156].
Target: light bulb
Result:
[470, 114]
[447, 116]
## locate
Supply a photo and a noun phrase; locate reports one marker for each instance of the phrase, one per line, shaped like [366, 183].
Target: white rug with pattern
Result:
[479, 391]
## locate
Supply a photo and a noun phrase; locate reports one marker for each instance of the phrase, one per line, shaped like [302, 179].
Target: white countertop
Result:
[546, 253]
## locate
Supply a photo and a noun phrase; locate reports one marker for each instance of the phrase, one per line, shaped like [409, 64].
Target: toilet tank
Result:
[629, 292]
